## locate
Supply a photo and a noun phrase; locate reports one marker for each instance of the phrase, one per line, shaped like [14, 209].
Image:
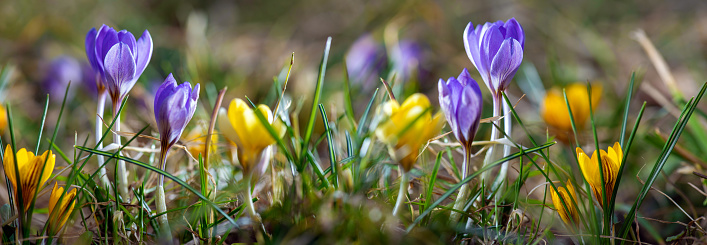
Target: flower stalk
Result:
[404, 182]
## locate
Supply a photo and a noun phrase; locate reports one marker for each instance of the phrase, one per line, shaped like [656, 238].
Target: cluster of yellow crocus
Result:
[59, 214]
[31, 176]
[409, 126]
[196, 141]
[242, 127]
[610, 164]
[555, 112]
[569, 196]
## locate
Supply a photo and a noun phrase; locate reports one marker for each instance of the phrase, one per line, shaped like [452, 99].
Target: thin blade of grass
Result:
[163, 173]
[317, 95]
[454, 188]
[629, 93]
[662, 159]
[332, 152]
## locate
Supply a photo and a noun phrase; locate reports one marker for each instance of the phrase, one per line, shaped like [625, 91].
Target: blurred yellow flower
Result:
[196, 139]
[555, 112]
[610, 163]
[409, 126]
[571, 211]
[246, 131]
[3, 119]
[58, 215]
[29, 167]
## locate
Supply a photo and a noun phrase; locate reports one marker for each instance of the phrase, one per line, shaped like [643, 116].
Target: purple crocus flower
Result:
[118, 57]
[462, 103]
[406, 58]
[364, 60]
[60, 72]
[496, 50]
[174, 107]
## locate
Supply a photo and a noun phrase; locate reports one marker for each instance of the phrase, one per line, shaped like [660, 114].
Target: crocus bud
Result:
[118, 57]
[496, 50]
[249, 134]
[174, 107]
[31, 176]
[60, 212]
[364, 60]
[610, 164]
[554, 109]
[462, 103]
[408, 127]
[60, 72]
[567, 194]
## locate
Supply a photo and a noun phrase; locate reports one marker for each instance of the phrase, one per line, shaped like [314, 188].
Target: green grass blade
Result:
[332, 152]
[317, 96]
[454, 188]
[662, 159]
[629, 92]
[612, 202]
[163, 173]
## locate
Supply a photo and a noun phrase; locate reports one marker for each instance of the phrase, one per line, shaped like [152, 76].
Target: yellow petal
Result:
[225, 127]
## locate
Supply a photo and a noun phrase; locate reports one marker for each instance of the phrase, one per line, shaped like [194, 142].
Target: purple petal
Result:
[515, 31]
[167, 88]
[471, 44]
[464, 77]
[107, 38]
[144, 52]
[127, 38]
[120, 69]
[91, 49]
[490, 44]
[506, 63]
[469, 111]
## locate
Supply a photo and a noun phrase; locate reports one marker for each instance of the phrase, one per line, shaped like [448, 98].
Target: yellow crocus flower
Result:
[59, 214]
[3, 119]
[610, 163]
[29, 167]
[196, 139]
[409, 126]
[554, 110]
[250, 136]
[569, 215]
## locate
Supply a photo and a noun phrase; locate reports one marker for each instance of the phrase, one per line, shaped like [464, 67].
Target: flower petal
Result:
[120, 69]
[143, 52]
[505, 63]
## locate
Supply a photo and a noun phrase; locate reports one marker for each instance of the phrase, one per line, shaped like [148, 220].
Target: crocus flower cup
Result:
[554, 109]
[610, 164]
[496, 50]
[118, 58]
[60, 212]
[409, 126]
[462, 103]
[174, 107]
[567, 194]
[33, 172]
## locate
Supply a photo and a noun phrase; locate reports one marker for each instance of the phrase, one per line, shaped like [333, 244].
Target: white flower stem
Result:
[401, 193]
[165, 231]
[464, 190]
[122, 172]
[491, 153]
[507, 128]
[249, 196]
[100, 108]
